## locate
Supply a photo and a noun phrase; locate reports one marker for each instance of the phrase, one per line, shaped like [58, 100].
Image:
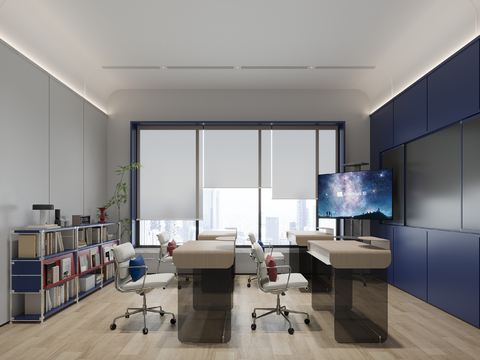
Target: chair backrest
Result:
[261, 267]
[123, 254]
[163, 238]
[252, 238]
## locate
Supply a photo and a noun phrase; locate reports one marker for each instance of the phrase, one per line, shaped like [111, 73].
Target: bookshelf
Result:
[51, 269]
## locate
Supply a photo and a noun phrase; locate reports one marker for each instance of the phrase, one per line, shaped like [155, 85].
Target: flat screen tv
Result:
[356, 195]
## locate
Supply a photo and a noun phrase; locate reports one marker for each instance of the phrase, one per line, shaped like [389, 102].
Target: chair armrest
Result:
[283, 266]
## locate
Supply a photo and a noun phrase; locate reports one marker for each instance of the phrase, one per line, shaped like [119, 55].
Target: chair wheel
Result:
[145, 331]
[254, 315]
[173, 321]
[127, 316]
[283, 294]
[179, 287]
[248, 285]
[286, 313]
[162, 313]
[113, 326]
[307, 321]
[254, 326]
[186, 279]
[291, 331]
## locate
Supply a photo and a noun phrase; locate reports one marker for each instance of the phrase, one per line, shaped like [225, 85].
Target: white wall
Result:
[351, 106]
[52, 147]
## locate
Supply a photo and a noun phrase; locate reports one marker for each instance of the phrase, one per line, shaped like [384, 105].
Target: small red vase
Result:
[102, 215]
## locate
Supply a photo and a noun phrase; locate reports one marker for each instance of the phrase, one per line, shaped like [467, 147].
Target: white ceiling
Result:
[76, 40]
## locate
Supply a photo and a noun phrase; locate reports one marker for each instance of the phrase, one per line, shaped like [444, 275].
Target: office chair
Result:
[283, 283]
[165, 257]
[276, 255]
[146, 283]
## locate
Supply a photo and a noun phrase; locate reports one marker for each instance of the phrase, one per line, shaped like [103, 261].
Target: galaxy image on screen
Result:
[359, 194]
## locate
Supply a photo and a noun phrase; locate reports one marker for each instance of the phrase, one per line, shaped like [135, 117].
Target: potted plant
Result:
[120, 196]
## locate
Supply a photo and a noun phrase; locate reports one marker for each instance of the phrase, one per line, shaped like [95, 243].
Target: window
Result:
[223, 208]
[227, 176]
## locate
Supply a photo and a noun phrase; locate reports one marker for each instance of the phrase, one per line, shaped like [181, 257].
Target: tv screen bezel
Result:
[350, 217]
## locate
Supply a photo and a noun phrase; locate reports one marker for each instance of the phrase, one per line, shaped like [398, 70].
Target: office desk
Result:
[214, 234]
[301, 262]
[205, 304]
[361, 312]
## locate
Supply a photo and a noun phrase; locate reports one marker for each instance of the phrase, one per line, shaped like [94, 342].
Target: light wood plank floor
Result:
[416, 331]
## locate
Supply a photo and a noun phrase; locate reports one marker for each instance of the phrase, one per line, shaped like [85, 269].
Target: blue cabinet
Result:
[386, 232]
[453, 273]
[453, 89]
[410, 260]
[410, 113]
[381, 128]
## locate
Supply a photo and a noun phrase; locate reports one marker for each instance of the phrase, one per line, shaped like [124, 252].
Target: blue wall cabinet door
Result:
[453, 89]
[381, 127]
[453, 273]
[410, 259]
[386, 232]
[410, 113]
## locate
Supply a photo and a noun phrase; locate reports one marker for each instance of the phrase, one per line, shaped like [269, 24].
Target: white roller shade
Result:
[293, 164]
[327, 150]
[231, 158]
[170, 177]
[266, 158]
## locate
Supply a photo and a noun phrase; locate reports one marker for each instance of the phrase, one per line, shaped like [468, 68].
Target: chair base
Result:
[144, 309]
[278, 310]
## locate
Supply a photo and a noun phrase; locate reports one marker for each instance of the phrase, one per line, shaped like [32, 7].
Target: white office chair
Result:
[283, 283]
[124, 283]
[276, 255]
[165, 257]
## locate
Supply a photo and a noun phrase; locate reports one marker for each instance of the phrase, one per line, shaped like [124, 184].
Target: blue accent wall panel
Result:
[453, 273]
[453, 89]
[381, 128]
[410, 260]
[386, 232]
[410, 113]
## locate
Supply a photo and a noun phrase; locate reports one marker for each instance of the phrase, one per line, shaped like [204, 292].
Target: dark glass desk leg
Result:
[322, 286]
[204, 307]
[361, 313]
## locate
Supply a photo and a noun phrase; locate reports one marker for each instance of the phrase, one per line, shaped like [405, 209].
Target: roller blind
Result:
[293, 164]
[231, 158]
[170, 179]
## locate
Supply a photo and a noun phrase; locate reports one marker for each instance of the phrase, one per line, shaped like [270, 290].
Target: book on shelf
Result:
[41, 227]
[96, 235]
[81, 238]
[83, 263]
[27, 246]
[93, 251]
[95, 260]
[56, 274]
[66, 268]
[58, 238]
[49, 273]
[88, 236]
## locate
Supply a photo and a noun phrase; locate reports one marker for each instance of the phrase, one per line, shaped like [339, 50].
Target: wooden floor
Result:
[416, 331]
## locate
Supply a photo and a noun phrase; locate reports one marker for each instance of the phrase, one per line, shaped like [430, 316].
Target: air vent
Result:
[200, 67]
[131, 67]
[344, 67]
[275, 67]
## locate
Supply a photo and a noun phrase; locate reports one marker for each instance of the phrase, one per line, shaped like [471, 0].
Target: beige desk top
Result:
[350, 254]
[301, 238]
[214, 234]
[208, 254]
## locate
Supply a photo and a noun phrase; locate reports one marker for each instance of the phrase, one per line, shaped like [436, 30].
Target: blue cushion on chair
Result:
[137, 273]
[261, 244]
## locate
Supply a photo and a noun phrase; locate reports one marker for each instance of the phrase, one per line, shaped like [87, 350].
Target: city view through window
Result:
[226, 208]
